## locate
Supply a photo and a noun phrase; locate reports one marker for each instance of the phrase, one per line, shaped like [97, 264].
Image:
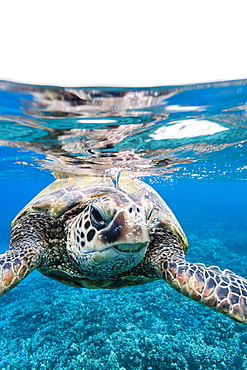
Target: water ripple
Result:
[155, 130]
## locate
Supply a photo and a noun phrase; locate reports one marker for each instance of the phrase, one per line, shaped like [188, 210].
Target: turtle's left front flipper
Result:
[223, 291]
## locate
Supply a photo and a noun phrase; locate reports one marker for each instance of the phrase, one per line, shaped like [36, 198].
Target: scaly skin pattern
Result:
[14, 266]
[223, 291]
[24, 254]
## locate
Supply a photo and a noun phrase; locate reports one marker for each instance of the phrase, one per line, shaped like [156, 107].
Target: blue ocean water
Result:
[189, 143]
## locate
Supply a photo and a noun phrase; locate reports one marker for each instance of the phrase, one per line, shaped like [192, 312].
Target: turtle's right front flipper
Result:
[28, 239]
[15, 265]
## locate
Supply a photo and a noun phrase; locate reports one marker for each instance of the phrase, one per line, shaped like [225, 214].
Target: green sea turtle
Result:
[93, 232]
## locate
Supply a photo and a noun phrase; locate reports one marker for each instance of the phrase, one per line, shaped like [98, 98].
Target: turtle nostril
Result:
[132, 209]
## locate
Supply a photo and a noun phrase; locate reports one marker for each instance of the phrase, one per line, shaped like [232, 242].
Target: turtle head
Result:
[110, 236]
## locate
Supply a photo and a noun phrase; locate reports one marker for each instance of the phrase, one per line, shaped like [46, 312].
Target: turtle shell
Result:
[63, 194]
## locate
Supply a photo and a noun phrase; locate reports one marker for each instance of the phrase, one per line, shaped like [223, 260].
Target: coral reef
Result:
[46, 325]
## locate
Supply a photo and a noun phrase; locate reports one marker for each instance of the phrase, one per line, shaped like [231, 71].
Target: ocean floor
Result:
[46, 325]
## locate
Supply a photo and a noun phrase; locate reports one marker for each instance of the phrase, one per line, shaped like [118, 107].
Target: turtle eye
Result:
[97, 218]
